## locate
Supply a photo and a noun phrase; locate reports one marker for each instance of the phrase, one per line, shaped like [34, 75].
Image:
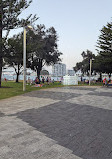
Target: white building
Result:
[71, 72]
[59, 70]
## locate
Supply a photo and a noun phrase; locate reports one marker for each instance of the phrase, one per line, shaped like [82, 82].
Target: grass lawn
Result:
[10, 89]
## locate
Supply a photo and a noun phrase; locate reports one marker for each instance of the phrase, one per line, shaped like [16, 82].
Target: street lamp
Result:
[90, 71]
[24, 55]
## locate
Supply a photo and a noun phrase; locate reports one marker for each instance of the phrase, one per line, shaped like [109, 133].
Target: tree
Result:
[9, 19]
[104, 42]
[14, 55]
[84, 66]
[44, 49]
[98, 66]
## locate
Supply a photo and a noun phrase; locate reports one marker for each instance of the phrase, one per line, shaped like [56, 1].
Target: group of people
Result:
[106, 81]
[38, 81]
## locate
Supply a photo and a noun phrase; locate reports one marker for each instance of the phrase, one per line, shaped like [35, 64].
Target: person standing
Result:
[43, 80]
[47, 80]
[104, 81]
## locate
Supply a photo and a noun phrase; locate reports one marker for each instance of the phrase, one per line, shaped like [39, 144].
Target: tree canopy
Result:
[14, 53]
[9, 19]
[44, 48]
[104, 49]
[103, 60]
[84, 66]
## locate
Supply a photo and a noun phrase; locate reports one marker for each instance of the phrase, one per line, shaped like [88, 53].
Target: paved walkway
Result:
[58, 123]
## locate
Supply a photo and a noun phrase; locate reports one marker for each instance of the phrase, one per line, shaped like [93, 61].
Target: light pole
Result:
[90, 72]
[24, 53]
[24, 59]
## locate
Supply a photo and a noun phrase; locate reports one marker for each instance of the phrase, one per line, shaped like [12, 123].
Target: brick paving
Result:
[58, 123]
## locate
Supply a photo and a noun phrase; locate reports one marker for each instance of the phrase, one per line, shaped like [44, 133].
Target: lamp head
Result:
[30, 27]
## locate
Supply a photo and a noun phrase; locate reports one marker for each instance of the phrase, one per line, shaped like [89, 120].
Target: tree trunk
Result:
[0, 42]
[39, 68]
[100, 76]
[38, 73]
[17, 73]
[17, 77]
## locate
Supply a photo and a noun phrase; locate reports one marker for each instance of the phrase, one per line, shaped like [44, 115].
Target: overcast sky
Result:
[77, 22]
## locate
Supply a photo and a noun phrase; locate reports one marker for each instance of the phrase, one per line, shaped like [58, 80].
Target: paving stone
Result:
[1, 114]
[104, 94]
[88, 126]
[93, 100]
[52, 95]
[81, 88]
[58, 123]
[71, 91]
[22, 103]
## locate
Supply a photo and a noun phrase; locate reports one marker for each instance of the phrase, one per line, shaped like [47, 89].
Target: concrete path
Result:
[57, 123]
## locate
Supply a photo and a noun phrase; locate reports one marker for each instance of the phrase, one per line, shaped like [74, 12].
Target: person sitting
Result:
[37, 81]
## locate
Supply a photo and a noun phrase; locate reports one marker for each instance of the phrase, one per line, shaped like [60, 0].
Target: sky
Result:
[77, 22]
